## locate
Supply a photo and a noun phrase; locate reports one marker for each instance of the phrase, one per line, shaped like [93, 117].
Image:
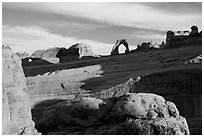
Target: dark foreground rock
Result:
[132, 113]
[16, 112]
[183, 87]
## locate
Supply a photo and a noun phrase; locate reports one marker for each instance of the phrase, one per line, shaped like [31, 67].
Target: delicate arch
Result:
[115, 48]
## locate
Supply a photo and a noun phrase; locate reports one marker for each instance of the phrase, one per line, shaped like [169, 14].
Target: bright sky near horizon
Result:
[31, 26]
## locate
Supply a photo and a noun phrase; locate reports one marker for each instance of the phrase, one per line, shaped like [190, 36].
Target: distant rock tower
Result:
[194, 31]
[170, 34]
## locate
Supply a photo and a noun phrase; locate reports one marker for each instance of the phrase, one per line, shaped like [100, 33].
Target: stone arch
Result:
[115, 48]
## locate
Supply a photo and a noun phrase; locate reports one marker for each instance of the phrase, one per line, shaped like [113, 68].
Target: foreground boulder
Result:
[16, 112]
[132, 113]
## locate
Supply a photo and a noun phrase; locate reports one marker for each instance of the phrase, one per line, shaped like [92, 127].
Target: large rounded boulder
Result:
[132, 113]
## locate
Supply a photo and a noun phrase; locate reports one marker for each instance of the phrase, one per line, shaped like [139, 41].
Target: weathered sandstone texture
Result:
[16, 112]
[132, 113]
[48, 55]
[22, 55]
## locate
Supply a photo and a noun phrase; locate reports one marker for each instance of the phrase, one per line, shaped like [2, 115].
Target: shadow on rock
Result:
[140, 114]
[41, 67]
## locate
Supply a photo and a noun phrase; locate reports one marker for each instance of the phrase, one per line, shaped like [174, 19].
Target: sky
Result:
[27, 27]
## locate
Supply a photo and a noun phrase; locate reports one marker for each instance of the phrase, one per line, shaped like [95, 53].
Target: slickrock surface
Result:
[140, 114]
[16, 116]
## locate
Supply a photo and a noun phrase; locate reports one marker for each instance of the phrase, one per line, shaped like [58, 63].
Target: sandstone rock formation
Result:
[169, 36]
[48, 55]
[183, 87]
[80, 50]
[16, 112]
[139, 114]
[115, 48]
[173, 40]
[37, 54]
[57, 54]
[145, 46]
[75, 52]
[195, 60]
[194, 30]
[22, 55]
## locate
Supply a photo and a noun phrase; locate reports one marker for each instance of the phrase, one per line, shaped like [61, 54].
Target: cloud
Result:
[128, 14]
[32, 38]
[149, 35]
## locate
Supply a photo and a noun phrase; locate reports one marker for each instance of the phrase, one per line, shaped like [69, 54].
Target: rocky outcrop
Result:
[22, 55]
[195, 60]
[75, 52]
[79, 50]
[48, 55]
[145, 46]
[118, 90]
[38, 54]
[16, 112]
[57, 54]
[194, 31]
[115, 48]
[139, 114]
[179, 40]
[183, 87]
